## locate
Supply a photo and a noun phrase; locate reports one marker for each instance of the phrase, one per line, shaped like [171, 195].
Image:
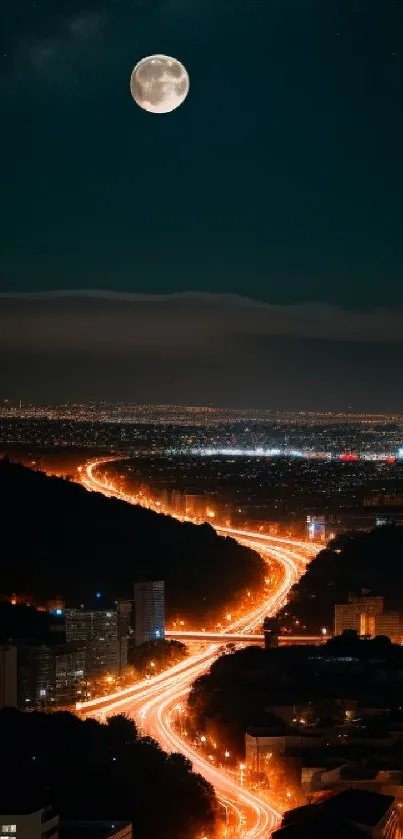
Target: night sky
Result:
[277, 188]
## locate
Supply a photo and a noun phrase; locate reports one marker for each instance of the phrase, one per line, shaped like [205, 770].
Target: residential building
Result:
[8, 676]
[68, 667]
[38, 822]
[50, 676]
[97, 628]
[149, 606]
[351, 813]
[33, 821]
[389, 624]
[357, 614]
[367, 617]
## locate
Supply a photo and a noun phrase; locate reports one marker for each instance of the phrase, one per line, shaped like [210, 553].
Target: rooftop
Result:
[318, 826]
[336, 816]
[15, 804]
[360, 806]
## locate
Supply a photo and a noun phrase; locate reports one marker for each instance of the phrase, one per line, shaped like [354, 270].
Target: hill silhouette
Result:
[60, 540]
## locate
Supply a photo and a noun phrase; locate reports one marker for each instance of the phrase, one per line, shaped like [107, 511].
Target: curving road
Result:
[155, 704]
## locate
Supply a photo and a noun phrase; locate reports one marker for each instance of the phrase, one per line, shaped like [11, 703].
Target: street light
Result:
[227, 753]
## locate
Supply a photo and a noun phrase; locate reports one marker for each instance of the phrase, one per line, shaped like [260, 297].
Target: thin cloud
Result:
[198, 348]
[86, 26]
[55, 55]
[140, 321]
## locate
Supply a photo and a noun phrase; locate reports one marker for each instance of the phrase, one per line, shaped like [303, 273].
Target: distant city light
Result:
[98, 595]
[260, 451]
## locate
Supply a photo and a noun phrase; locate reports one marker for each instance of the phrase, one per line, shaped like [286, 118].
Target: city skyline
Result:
[163, 692]
[201, 423]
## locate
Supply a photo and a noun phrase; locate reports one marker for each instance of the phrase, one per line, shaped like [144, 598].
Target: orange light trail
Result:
[152, 703]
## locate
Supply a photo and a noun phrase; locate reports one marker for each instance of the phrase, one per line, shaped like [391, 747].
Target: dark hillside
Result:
[59, 539]
[352, 563]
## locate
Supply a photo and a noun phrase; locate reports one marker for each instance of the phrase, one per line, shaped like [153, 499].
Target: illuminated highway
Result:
[155, 704]
[242, 637]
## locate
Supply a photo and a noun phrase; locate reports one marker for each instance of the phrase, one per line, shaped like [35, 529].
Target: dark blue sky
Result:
[280, 178]
[277, 185]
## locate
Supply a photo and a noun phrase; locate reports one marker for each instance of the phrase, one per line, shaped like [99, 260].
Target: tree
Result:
[156, 655]
[122, 728]
[181, 763]
[104, 772]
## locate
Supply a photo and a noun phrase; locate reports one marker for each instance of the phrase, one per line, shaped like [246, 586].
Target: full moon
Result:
[159, 84]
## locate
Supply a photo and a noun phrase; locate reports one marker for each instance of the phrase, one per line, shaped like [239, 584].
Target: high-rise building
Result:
[8, 676]
[149, 607]
[68, 671]
[125, 617]
[35, 682]
[96, 627]
[19, 821]
[103, 628]
[316, 528]
[50, 676]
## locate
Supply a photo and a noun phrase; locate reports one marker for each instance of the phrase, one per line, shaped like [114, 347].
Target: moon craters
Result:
[159, 84]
